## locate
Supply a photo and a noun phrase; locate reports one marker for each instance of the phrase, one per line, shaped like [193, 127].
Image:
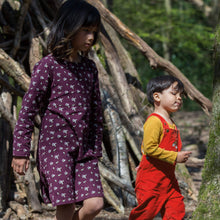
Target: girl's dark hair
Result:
[72, 15]
[160, 83]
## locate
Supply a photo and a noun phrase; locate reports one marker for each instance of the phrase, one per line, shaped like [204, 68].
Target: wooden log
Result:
[7, 115]
[141, 101]
[195, 162]
[124, 57]
[21, 211]
[34, 53]
[110, 176]
[200, 4]
[8, 86]
[183, 174]
[120, 154]
[110, 119]
[106, 83]
[133, 168]
[120, 82]
[134, 147]
[7, 215]
[111, 197]
[40, 17]
[19, 26]
[31, 191]
[13, 69]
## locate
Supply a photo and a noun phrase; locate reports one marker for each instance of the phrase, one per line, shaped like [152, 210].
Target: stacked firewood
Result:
[23, 35]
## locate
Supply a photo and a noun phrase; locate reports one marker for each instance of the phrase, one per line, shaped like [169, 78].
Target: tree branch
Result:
[7, 115]
[19, 28]
[154, 59]
[13, 69]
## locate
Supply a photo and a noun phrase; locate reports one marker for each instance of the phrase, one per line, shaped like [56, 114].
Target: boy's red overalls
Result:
[157, 189]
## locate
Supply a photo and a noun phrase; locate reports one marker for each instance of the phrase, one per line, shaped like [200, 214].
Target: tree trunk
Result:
[209, 203]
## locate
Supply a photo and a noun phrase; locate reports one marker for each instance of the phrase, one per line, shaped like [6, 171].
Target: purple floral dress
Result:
[67, 97]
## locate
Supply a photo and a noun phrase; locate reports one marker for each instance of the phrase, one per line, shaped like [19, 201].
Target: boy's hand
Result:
[183, 156]
[20, 165]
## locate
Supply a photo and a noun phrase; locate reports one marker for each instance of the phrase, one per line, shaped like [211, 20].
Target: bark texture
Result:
[208, 207]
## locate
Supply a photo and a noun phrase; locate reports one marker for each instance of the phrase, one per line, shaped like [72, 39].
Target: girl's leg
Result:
[65, 212]
[91, 207]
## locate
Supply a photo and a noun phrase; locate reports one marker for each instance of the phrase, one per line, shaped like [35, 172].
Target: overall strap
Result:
[164, 122]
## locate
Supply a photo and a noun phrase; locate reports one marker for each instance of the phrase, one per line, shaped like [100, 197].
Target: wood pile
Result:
[23, 34]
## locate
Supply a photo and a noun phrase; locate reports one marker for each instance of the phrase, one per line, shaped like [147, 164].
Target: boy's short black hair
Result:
[160, 83]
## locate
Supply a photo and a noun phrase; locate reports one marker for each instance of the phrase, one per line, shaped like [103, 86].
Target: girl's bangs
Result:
[93, 19]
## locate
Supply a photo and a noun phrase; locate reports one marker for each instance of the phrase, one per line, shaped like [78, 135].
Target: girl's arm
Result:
[96, 122]
[32, 101]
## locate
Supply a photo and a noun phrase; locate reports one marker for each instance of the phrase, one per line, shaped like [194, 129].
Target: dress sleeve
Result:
[96, 122]
[33, 100]
[153, 133]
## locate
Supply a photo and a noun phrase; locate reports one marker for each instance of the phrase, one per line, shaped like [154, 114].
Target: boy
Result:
[156, 188]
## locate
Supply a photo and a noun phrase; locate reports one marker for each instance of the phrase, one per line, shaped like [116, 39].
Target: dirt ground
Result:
[194, 130]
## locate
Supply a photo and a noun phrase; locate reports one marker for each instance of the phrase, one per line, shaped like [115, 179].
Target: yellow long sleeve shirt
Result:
[153, 134]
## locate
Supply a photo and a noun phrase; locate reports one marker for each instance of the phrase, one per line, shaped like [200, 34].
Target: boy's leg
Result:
[65, 212]
[91, 207]
[174, 208]
[149, 206]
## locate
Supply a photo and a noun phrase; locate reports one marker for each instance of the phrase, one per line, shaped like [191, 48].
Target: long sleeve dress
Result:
[67, 97]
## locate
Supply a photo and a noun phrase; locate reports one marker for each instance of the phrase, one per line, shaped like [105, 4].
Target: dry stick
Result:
[110, 176]
[9, 43]
[21, 211]
[132, 143]
[106, 83]
[13, 69]
[195, 162]
[121, 158]
[19, 27]
[141, 101]
[109, 114]
[183, 173]
[121, 83]
[133, 167]
[207, 10]
[128, 67]
[7, 115]
[31, 191]
[40, 18]
[111, 197]
[105, 159]
[154, 59]
[125, 59]
[34, 52]
[8, 86]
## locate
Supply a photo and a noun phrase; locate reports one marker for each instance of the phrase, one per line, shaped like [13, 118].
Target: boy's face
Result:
[169, 99]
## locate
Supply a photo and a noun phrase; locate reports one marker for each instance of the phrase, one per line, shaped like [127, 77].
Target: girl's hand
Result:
[20, 164]
[183, 156]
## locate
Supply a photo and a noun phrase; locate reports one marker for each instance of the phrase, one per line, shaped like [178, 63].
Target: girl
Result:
[64, 89]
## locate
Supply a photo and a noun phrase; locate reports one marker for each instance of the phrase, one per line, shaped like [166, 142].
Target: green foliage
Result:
[190, 40]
